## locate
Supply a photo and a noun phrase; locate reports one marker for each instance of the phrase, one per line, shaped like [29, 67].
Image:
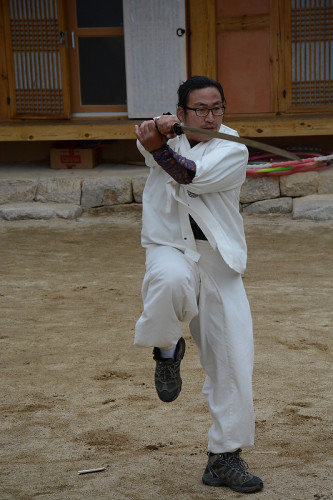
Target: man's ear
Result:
[180, 114]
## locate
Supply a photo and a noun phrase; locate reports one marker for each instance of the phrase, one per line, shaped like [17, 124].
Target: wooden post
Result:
[4, 87]
[202, 52]
[280, 55]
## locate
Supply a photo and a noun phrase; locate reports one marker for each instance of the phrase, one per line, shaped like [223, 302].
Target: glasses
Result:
[217, 111]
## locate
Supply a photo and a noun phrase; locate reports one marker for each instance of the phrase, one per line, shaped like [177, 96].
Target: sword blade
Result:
[182, 129]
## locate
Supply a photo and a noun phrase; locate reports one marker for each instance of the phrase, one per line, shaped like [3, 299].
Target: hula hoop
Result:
[313, 162]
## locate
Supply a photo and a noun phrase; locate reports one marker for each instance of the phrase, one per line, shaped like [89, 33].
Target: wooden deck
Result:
[266, 125]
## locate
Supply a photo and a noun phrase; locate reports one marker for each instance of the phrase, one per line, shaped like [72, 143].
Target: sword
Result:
[182, 129]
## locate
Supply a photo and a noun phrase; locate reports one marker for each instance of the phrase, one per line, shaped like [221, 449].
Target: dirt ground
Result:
[77, 395]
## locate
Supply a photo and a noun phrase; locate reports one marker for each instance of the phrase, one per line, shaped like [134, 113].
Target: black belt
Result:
[197, 232]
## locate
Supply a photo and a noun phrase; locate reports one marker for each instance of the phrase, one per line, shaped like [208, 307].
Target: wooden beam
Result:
[259, 125]
[63, 130]
[242, 23]
[291, 125]
[202, 19]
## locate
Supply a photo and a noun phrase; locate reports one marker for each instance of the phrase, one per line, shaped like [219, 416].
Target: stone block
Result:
[34, 210]
[17, 190]
[138, 184]
[299, 184]
[274, 206]
[106, 191]
[259, 188]
[325, 180]
[59, 190]
[315, 207]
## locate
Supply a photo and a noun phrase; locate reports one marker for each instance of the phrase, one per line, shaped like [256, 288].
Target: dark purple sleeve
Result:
[179, 168]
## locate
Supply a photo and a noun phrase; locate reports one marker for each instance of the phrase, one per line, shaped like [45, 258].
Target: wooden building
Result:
[89, 70]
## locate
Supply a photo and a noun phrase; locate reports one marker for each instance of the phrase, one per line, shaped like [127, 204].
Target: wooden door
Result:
[37, 59]
[96, 54]
[155, 54]
[310, 67]
[302, 55]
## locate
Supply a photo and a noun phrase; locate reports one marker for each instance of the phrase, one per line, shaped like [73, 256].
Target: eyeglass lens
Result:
[205, 111]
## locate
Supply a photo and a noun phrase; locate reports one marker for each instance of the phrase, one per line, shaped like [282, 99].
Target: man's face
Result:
[208, 97]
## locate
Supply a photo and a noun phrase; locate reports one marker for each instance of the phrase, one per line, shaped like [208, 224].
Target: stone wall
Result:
[303, 195]
[306, 195]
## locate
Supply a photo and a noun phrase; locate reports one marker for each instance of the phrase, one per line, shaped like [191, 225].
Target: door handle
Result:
[63, 38]
[180, 32]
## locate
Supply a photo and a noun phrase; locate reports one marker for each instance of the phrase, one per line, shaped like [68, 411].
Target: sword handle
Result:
[177, 128]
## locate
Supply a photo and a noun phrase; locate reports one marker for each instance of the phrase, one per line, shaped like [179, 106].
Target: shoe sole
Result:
[216, 482]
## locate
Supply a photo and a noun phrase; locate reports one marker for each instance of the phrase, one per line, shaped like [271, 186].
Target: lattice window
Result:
[312, 52]
[36, 56]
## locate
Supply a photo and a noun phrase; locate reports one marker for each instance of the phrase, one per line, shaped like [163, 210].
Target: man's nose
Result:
[210, 116]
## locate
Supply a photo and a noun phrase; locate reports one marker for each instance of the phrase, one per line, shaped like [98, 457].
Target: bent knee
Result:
[169, 267]
[170, 275]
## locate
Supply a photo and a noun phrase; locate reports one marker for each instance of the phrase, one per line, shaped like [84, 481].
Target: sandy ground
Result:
[77, 395]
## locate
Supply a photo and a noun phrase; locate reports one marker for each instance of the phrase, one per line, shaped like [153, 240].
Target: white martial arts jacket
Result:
[212, 199]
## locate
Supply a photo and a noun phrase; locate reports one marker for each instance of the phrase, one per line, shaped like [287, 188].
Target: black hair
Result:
[197, 82]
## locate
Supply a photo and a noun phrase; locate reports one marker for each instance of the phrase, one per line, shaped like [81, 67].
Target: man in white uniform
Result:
[195, 254]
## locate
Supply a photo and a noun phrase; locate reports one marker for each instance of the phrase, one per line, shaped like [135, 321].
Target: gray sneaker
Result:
[168, 382]
[229, 469]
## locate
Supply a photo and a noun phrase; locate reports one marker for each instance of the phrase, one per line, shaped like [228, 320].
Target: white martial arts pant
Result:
[211, 297]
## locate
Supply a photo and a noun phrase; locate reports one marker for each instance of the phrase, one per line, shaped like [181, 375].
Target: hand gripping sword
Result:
[182, 129]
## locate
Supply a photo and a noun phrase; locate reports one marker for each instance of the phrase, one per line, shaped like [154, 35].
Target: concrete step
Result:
[35, 210]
